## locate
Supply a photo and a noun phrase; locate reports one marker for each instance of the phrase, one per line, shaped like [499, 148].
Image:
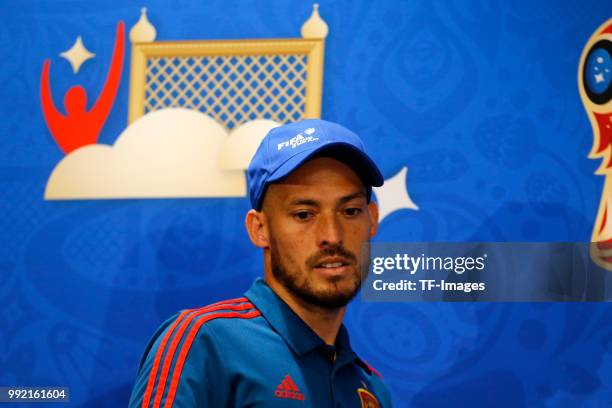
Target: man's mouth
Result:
[333, 268]
[332, 263]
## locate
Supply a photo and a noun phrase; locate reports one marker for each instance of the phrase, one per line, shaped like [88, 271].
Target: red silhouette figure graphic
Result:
[80, 127]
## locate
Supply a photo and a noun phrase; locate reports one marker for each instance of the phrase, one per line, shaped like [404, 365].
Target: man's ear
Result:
[257, 228]
[373, 209]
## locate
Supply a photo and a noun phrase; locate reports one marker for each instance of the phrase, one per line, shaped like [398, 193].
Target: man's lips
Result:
[332, 267]
[332, 263]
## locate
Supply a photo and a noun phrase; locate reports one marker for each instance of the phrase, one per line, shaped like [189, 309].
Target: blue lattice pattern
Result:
[231, 89]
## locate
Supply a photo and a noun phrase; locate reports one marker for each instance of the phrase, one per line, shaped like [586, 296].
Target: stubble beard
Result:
[299, 283]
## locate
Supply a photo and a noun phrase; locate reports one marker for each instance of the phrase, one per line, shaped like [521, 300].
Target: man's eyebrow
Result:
[304, 201]
[314, 203]
[350, 197]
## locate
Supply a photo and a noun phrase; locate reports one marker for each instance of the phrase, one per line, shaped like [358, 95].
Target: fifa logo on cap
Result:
[300, 139]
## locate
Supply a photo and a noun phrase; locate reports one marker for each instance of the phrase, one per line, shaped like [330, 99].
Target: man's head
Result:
[310, 185]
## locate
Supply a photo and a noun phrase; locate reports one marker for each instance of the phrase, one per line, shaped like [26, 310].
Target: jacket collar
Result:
[297, 334]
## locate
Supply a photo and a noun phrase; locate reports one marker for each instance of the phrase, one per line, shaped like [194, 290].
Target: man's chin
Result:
[330, 296]
[325, 290]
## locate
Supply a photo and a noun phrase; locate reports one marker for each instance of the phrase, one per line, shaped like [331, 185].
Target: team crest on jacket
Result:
[368, 400]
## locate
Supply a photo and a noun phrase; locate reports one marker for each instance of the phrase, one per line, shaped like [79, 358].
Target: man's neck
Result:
[324, 322]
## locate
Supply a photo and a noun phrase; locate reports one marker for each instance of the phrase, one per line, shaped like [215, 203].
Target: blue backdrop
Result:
[478, 98]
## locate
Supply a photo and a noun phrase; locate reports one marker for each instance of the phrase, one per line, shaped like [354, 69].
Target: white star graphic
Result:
[77, 55]
[393, 195]
[599, 78]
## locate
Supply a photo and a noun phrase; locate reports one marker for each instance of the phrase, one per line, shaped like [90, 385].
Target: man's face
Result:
[318, 220]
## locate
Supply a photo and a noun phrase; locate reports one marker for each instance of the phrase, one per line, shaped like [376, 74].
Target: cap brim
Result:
[360, 162]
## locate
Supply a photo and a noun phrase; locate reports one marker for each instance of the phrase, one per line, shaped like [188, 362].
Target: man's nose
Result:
[329, 230]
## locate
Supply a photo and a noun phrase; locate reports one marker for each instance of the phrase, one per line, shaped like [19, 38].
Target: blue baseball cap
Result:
[287, 147]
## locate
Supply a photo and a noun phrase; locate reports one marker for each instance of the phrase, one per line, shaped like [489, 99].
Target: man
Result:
[283, 344]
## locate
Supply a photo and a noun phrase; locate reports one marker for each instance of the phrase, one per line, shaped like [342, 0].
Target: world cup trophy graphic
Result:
[595, 86]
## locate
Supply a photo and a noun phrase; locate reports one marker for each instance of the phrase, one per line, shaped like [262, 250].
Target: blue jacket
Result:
[252, 351]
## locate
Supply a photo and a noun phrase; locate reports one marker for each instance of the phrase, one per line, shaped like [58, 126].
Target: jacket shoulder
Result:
[182, 361]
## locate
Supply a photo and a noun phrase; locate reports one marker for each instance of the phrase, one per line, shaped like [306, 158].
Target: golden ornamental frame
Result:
[310, 48]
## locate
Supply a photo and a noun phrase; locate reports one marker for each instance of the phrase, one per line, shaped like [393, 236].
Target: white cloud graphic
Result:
[166, 153]
[243, 142]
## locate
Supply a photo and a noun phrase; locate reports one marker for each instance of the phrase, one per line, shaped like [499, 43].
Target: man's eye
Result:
[352, 212]
[302, 215]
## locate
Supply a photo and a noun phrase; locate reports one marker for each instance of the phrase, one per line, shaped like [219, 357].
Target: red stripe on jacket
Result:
[161, 384]
[187, 345]
[160, 351]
